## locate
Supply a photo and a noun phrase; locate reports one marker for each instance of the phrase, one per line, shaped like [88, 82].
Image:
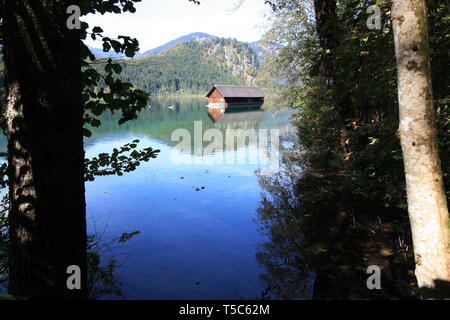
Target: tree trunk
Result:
[427, 205]
[44, 116]
[326, 18]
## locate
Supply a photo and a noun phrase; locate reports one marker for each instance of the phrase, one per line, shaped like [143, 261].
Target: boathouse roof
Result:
[237, 91]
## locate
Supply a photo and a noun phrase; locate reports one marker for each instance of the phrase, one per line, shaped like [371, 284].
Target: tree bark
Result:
[44, 116]
[326, 18]
[427, 204]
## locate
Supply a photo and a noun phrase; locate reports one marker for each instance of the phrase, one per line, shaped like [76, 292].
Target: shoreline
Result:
[198, 95]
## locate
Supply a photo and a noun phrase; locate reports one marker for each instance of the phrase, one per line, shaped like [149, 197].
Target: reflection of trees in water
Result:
[288, 274]
[103, 264]
[159, 121]
[322, 238]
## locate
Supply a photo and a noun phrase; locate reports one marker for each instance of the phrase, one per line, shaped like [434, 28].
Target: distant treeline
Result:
[191, 67]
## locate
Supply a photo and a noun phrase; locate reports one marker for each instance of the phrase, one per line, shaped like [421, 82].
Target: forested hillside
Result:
[192, 67]
[196, 36]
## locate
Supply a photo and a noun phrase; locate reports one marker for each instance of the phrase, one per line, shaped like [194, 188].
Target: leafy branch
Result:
[118, 162]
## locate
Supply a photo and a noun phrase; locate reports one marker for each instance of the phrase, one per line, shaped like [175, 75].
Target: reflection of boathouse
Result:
[241, 118]
[236, 97]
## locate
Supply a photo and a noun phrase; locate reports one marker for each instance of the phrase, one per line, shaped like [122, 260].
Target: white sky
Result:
[156, 22]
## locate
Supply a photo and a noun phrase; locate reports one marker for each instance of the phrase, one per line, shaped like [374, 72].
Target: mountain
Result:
[196, 36]
[192, 67]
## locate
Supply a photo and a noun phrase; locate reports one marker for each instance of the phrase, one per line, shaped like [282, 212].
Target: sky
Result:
[157, 22]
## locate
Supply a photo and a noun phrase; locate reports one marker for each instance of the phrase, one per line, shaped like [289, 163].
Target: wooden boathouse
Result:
[238, 95]
[238, 98]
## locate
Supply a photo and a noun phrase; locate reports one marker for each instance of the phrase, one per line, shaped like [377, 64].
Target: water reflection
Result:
[234, 112]
[241, 117]
[288, 274]
[198, 239]
[159, 120]
[322, 238]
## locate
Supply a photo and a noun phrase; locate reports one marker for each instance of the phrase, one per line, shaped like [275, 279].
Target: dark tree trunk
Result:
[44, 116]
[326, 18]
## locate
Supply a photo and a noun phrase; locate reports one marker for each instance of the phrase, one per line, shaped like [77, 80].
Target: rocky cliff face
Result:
[237, 56]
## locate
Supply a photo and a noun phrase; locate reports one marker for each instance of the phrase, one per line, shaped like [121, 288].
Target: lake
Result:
[198, 236]
[196, 209]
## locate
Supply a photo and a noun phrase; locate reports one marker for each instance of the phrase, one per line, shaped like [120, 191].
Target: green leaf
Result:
[97, 30]
[117, 68]
[86, 132]
[127, 236]
[116, 45]
[97, 109]
[95, 122]
[106, 46]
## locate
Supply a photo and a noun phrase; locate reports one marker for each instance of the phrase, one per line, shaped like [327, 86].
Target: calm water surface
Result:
[192, 244]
